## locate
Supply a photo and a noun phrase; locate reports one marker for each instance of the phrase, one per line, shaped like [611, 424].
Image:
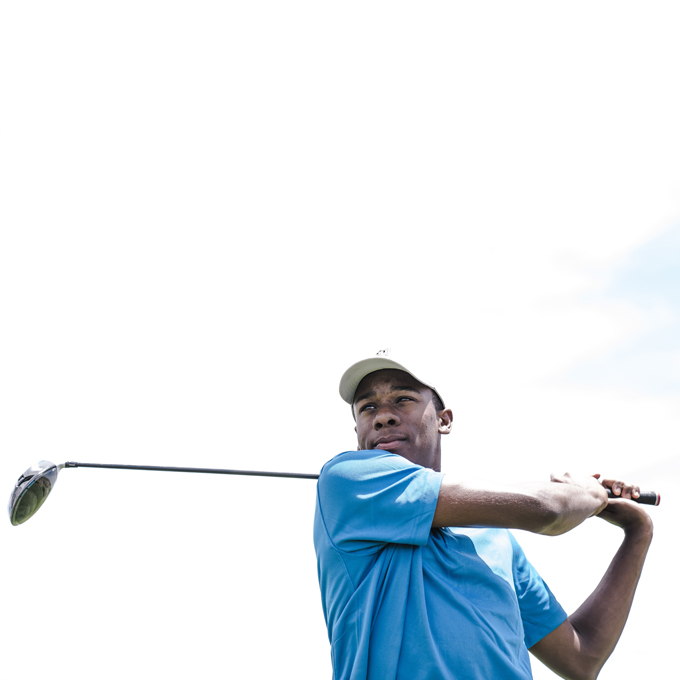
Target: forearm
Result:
[548, 508]
[599, 621]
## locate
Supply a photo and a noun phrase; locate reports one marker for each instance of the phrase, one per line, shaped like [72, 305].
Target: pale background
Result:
[210, 209]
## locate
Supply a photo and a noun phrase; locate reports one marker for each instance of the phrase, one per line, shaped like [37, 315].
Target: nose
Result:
[385, 416]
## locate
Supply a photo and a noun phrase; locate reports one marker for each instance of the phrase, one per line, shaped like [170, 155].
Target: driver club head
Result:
[31, 490]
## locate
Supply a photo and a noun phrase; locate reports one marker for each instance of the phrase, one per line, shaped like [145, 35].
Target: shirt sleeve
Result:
[369, 498]
[541, 612]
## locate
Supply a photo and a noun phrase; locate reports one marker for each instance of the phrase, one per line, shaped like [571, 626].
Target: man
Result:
[408, 597]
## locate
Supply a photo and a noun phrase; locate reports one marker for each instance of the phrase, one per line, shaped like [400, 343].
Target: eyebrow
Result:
[396, 388]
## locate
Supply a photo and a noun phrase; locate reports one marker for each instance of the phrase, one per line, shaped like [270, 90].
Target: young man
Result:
[421, 579]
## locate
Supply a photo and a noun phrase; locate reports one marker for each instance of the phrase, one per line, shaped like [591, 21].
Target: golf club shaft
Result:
[212, 471]
[645, 497]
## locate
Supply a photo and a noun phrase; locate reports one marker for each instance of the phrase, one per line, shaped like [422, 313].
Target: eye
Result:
[365, 407]
[405, 398]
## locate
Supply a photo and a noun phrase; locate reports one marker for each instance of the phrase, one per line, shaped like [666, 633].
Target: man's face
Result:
[396, 413]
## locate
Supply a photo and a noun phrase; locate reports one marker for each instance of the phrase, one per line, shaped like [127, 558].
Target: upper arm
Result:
[563, 652]
[369, 498]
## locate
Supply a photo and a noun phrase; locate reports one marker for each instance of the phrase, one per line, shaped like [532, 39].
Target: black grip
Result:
[645, 497]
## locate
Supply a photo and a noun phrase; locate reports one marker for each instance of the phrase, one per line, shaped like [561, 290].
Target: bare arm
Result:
[580, 646]
[550, 508]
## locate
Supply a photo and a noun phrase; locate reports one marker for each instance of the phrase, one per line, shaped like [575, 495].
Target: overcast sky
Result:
[209, 210]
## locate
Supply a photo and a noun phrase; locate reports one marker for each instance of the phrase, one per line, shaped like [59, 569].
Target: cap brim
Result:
[357, 372]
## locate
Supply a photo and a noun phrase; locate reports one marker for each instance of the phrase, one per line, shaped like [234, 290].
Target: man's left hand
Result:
[619, 511]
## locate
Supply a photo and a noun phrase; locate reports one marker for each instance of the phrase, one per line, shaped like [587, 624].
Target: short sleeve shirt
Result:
[403, 601]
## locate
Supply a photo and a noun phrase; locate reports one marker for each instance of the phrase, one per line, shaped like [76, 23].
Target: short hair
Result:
[438, 403]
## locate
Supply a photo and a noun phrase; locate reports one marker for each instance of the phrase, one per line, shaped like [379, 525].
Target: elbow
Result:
[588, 661]
[580, 667]
[589, 670]
[581, 675]
[586, 674]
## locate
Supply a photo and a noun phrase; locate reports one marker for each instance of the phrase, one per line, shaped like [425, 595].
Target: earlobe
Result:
[445, 421]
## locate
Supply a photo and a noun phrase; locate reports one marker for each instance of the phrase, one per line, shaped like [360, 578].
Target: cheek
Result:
[428, 426]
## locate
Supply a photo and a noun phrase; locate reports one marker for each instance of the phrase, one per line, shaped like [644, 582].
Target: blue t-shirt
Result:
[404, 601]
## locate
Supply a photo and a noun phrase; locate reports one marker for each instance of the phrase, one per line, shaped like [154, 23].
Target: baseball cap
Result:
[357, 372]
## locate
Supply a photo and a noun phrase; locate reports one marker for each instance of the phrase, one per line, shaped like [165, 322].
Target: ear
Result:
[445, 421]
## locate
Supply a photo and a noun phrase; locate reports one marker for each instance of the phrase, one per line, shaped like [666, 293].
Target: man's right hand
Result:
[590, 484]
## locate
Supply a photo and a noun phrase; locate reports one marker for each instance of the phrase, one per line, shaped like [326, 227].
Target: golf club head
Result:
[31, 490]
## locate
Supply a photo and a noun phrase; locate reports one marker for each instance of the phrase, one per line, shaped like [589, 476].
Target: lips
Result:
[388, 443]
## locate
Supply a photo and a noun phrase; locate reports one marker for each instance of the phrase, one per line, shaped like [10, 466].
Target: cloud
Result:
[645, 285]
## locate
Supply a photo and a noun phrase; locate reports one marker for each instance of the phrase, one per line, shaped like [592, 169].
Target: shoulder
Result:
[375, 476]
[367, 498]
[361, 465]
[353, 463]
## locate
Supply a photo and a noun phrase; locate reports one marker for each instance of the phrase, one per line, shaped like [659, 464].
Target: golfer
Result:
[420, 577]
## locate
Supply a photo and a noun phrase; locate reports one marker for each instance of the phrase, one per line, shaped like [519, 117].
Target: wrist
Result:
[640, 530]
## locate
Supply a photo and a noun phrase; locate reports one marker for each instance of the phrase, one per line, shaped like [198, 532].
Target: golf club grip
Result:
[645, 497]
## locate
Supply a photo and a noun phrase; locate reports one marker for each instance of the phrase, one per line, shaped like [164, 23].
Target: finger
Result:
[621, 489]
[630, 491]
[644, 497]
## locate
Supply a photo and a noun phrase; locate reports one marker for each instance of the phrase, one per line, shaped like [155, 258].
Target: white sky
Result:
[207, 212]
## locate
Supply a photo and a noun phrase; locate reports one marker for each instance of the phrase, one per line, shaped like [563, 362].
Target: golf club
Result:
[33, 487]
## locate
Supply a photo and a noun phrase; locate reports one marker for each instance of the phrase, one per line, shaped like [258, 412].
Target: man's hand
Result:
[621, 512]
[581, 645]
[589, 484]
[621, 489]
